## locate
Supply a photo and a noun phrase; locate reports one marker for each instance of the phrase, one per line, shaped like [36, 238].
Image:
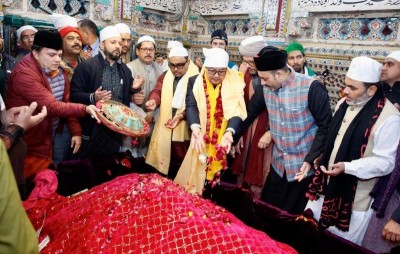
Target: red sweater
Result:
[28, 83]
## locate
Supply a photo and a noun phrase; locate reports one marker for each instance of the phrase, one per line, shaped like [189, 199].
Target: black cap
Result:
[48, 39]
[219, 34]
[270, 59]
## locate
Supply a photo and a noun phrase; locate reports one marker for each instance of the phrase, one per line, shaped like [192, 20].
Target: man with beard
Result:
[297, 59]
[361, 147]
[170, 140]
[126, 38]
[102, 77]
[145, 69]
[253, 157]
[299, 117]
[25, 36]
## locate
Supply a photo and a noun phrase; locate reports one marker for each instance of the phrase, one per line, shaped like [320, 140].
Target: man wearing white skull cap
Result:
[170, 139]
[145, 69]
[60, 20]
[383, 231]
[215, 108]
[170, 45]
[102, 77]
[25, 37]
[361, 147]
[254, 150]
[126, 37]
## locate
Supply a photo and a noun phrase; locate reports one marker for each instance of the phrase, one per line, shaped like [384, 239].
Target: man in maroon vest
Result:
[253, 158]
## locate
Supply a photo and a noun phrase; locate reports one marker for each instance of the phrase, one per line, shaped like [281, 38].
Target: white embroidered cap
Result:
[123, 28]
[23, 28]
[172, 44]
[215, 57]
[252, 46]
[178, 51]
[146, 38]
[364, 69]
[395, 55]
[60, 20]
[109, 32]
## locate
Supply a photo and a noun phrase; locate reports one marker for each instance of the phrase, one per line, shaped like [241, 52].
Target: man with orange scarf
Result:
[170, 139]
[214, 109]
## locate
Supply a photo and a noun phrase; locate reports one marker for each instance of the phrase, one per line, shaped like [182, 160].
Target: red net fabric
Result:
[144, 214]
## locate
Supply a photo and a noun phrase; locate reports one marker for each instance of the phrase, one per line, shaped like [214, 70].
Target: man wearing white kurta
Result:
[361, 147]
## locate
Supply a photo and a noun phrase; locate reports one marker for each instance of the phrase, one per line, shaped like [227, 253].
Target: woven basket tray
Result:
[122, 119]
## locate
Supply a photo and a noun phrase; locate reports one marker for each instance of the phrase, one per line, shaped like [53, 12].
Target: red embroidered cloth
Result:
[144, 214]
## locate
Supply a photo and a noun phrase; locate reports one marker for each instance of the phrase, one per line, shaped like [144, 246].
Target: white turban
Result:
[146, 38]
[172, 44]
[364, 69]
[123, 28]
[23, 28]
[60, 20]
[252, 46]
[109, 32]
[215, 57]
[178, 51]
[395, 55]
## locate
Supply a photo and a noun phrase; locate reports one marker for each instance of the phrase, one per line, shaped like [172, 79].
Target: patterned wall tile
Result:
[331, 50]
[152, 21]
[236, 27]
[335, 80]
[358, 29]
[12, 5]
[77, 8]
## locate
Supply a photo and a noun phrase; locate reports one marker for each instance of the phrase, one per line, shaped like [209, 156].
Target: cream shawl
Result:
[192, 173]
[159, 154]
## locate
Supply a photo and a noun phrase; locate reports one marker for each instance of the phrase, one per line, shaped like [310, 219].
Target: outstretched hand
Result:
[91, 110]
[305, 168]
[334, 169]
[227, 140]
[198, 141]
[23, 117]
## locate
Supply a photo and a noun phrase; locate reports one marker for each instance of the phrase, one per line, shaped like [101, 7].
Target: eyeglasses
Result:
[212, 72]
[178, 66]
[147, 49]
[250, 63]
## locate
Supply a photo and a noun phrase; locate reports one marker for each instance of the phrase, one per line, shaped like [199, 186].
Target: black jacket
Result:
[192, 112]
[87, 79]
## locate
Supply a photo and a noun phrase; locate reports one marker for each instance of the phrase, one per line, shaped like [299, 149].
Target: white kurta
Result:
[380, 163]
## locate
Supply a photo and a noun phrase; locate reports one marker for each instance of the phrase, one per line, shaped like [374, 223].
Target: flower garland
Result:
[216, 160]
